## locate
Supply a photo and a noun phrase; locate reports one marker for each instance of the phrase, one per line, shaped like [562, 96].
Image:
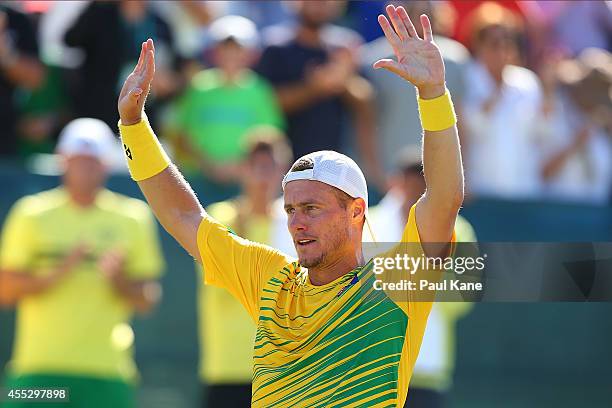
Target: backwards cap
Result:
[334, 169]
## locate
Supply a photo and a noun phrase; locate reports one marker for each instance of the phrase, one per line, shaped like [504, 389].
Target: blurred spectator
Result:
[218, 107]
[110, 34]
[577, 152]
[227, 332]
[39, 109]
[433, 371]
[571, 25]
[77, 261]
[312, 66]
[398, 123]
[19, 67]
[464, 12]
[188, 21]
[42, 114]
[263, 13]
[52, 29]
[501, 110]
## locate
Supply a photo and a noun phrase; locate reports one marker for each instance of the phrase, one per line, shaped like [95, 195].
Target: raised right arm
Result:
[176, 207]
[170, 197]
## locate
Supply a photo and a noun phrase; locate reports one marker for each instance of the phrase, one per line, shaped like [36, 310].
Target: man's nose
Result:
[296, 222]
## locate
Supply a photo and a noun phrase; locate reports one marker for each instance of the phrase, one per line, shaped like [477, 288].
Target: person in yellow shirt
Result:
[77, 261]
[226, 330]
[433, 371]
[326, 337]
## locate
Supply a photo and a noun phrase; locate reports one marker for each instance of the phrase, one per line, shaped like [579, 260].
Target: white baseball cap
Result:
[237, 28]
[334, 169]
[86, 136]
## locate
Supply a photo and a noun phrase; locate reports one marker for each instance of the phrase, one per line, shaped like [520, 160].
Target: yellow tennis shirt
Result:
[342, 344]
[79, 326]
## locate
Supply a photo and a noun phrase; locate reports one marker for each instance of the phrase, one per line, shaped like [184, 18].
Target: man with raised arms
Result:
[325, 337]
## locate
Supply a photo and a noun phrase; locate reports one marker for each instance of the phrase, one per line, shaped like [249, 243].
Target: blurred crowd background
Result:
[531, 81]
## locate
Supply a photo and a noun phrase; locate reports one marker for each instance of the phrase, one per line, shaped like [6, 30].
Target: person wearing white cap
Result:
[325, 335]
[77, 261]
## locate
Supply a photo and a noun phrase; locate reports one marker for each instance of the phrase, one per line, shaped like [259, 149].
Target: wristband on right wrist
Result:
[438, 113]
[144, 154]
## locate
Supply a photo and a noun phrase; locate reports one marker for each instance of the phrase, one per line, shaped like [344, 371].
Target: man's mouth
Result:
[304, 242]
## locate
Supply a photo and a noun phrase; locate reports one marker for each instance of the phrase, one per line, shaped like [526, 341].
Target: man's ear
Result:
[358, 210]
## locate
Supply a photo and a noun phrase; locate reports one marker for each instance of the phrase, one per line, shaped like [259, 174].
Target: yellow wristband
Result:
[144, 154]
[438, 113]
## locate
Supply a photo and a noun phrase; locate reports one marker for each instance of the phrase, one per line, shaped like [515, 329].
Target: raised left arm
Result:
[419, 62]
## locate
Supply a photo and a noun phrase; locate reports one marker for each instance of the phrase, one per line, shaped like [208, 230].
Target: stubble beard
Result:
[336, 240]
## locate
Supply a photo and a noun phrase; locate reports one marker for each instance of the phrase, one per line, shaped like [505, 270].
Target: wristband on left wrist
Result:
[437, 113]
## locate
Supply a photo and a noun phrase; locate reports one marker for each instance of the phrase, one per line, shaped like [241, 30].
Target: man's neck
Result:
[233, 76]
[308, 36]
[331, 271]
[83, 199]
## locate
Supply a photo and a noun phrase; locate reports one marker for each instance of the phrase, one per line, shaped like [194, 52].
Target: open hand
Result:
[137, 85]
[418, 60]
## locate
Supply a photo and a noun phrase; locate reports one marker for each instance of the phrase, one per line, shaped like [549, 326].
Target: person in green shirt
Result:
[78, 261]
[210, 119]
[227, 332]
